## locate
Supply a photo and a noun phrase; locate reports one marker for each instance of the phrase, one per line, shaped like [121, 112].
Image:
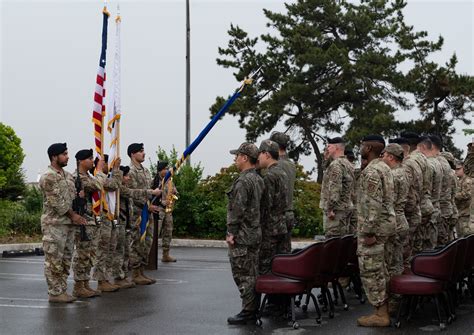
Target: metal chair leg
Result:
[442, 325]
[316, 306]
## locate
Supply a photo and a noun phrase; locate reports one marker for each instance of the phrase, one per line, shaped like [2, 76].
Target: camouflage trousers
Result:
[244, 265]
[338, 226]
[140, 250]
[453, 222]
[352, 228]
[373, 270]
[106, 242]
[120, 262]
[414, 222]
[463, 226]
[396, 257]
[85, 253]
[165, 226]
[443, 230]
[426, 236]
[290, 223]
[270, 246]
[58, 244]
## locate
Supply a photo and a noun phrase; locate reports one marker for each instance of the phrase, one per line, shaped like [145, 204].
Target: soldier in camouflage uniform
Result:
[469, 171]
[244, 232]
[352, 228]
[446, 192]
[140, 178]
[273, 206]
[165, 204]
[85, 251]
[290, 169]
[452, 221]
[336, 190]
[57, 219]
[376, 224]
[463, 201]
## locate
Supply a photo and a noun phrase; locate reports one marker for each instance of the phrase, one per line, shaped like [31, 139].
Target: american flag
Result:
[98, 113]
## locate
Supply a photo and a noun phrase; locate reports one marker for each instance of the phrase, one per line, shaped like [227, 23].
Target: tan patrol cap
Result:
[394, 149]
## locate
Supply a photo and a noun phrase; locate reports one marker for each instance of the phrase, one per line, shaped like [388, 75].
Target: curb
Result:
[185, 243]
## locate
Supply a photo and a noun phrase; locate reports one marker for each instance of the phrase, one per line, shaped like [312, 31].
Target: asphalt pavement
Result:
[193, 296]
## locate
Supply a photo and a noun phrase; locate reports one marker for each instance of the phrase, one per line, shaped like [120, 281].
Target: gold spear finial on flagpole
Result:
[105, 11]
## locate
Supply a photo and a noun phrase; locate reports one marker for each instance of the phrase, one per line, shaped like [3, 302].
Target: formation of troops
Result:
[407, 196]
[110, 249]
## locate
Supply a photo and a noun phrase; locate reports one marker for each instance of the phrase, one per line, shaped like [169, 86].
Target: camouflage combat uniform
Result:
[106, 233]
[243, 222]
[432, 225]
[290, 169]
[85, 253]
[272, 213]
[376, 217]
[469, 171]
[445, 201]
[140, 178]
[463, 203]
[336, 196]
[166, 214]
[58, 231]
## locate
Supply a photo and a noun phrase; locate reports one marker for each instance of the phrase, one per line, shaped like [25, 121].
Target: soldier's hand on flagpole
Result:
[82, 194]
[154, 209]
[100, 164]
[117, 162]
[156, 192]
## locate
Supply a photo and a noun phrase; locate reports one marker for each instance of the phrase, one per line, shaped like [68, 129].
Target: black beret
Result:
[56, 149]
[399, 140]
[125, 169]
[161, 165]
[84, 154]
[133, 148]
[411, 137]
[335, 140]
[436, 140]
[374, 138]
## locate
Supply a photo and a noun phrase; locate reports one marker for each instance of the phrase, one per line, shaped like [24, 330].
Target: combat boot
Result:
[142, 272]
[380, 318]
[105, 286]
[139, 279]
[62, 298]
[167, 258]
[80, 291]
[242, 318]
[87, 287]
[123, 283]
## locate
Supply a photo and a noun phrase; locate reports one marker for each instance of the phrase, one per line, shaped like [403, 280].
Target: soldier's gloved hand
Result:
[77, 219]
[369, 240]
[230, 239]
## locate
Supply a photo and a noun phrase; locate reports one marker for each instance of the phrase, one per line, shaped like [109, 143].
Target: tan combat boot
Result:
[380, 318]
[96, 292]
[167, 258]
[123, 283]
[80, 291]
[142, 272]
[105, 286]
[62, 298]
[139, 279]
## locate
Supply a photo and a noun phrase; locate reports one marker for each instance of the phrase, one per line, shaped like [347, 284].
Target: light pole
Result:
[188, 82]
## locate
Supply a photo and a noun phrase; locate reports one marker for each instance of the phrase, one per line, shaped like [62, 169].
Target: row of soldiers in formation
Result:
[93, 242]
[406, 197]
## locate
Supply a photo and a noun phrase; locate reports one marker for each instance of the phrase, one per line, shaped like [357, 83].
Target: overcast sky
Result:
[50, 51]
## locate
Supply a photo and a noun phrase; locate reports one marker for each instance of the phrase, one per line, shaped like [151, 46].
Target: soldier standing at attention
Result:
[244, 232]
[165, 204]
[273, 206]
[290, 169]
[140, 178]
[452, 221]
[58, 190]
[463, 201]
[336, 190]
[85, 250]
[376, 224]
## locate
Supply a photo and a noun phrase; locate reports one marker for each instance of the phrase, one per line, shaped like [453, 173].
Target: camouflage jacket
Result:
[290, 169]
[376, 215]
[274, 202]
[90, 185]
[445, 197]
[436, 181]
[140, 178]
[58, 192]
[463, 196]
[469, 162]
[454, 190]
[243, 208]
[414, 176]
[338, 182]
[426, 205]
[127, 195]
[400, 193]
